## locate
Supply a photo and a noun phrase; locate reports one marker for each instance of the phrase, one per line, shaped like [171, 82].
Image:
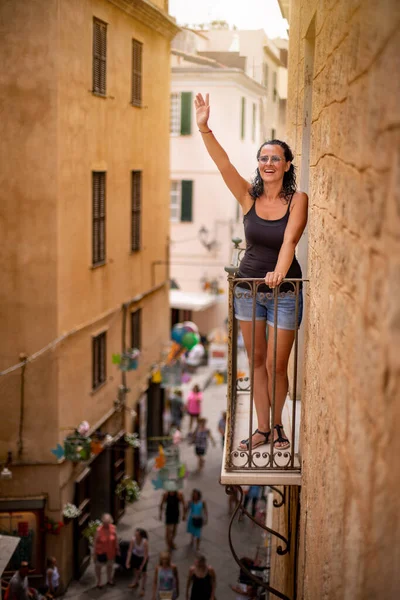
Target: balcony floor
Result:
[259, 474]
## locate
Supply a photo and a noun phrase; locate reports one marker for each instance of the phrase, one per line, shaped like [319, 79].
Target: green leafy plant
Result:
[132, 439]
[70, 511]
[90, 531]
[128, 489]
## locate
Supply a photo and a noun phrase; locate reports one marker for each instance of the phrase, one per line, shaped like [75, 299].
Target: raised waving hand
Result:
[237, 185]
[202, 110]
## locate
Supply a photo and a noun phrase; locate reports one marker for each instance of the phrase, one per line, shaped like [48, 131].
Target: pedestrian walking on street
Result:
[166, 579]
[193, 405]
[52, 576]
[18, 588]
[222, 427]
[138, 555]
[200, 439]
[274, 217]
[176, 404]
[253, 494]
[106, 548]
[197, 517]
[201, 581]
[171, 500]
[245, 588]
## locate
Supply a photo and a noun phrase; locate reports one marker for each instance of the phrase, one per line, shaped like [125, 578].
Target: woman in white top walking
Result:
[52, 576]
[138, 555]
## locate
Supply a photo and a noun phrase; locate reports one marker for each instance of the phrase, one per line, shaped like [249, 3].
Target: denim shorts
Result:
[265, 308]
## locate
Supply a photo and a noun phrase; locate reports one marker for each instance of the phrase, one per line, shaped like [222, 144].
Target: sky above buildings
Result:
[245, 14]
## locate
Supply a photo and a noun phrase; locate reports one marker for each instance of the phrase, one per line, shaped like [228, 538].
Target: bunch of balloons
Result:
[184, 336]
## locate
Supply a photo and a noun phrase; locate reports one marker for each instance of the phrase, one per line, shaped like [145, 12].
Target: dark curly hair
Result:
[289, 178]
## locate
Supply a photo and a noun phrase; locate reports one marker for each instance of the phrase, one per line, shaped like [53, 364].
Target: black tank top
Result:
[264, 238]
[201, 587]
[172, 511]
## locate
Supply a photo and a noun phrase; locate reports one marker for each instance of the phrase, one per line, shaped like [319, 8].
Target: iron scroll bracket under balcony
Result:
[239, 509]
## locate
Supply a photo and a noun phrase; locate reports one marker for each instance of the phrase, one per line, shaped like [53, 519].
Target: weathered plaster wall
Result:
[350, 533]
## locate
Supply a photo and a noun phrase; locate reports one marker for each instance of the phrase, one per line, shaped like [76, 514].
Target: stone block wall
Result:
[349, 526]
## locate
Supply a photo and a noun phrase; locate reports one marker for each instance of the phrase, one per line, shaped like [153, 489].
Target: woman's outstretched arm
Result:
[235, 182]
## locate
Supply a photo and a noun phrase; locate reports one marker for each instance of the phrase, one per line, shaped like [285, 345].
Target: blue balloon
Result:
[178, 331]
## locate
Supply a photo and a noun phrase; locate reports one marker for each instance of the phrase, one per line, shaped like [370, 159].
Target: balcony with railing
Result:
[265, 464]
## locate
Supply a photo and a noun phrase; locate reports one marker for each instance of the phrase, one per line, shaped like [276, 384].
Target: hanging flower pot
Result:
[96, 447]
[130, 360]
[70, 512]
[128, 490]
[52, 527]
[77, 447]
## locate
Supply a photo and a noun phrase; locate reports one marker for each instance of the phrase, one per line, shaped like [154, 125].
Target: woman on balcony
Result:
[275, 215]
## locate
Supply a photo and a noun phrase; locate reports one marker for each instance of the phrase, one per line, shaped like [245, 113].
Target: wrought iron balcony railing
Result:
[267, 464]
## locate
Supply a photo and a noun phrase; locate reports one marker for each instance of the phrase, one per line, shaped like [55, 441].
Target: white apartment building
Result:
[265, 61]
[204, 214]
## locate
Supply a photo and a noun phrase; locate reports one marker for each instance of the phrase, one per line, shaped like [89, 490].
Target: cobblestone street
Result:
[145, 514]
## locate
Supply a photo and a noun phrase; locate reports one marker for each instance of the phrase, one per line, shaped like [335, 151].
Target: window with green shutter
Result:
[243, 119]
[253, 129]
[186, 113]
[187, 201]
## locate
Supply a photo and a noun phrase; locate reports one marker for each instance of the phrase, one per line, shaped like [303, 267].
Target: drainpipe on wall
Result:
[24, 359]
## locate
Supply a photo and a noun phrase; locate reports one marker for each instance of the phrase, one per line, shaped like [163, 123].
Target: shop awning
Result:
[8, 544]
[195, 301]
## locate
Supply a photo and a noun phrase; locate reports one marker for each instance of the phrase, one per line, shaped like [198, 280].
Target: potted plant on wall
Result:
[51, 526]
[70, 512]
[77, 446]
[90, 531]
[128, 490]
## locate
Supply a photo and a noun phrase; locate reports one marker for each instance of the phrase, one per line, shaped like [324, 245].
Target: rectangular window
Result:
[180, 119]
[175, 114]
[99, 359]
[181, 201]
[186, 113]
[99, 57]
[137, 66]
[254, 123]
[186, 205]
[243, 119]
[136, 329]
[136, 207]
[274, 85]
[265, 75]
[273, 134]
[98, 217]
[175, 201]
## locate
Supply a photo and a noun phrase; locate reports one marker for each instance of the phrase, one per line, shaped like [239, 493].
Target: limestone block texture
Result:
[349, 532]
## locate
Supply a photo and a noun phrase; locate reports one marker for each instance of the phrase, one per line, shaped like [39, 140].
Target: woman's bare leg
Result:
[97, 569]
[284, 345]
[143, 586]
[260, 392]
[110, 572]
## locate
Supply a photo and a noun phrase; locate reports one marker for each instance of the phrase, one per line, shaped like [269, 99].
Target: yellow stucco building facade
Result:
[84, 216]
[343, 123]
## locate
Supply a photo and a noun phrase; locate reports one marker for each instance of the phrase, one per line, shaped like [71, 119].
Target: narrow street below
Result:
[145, 514]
